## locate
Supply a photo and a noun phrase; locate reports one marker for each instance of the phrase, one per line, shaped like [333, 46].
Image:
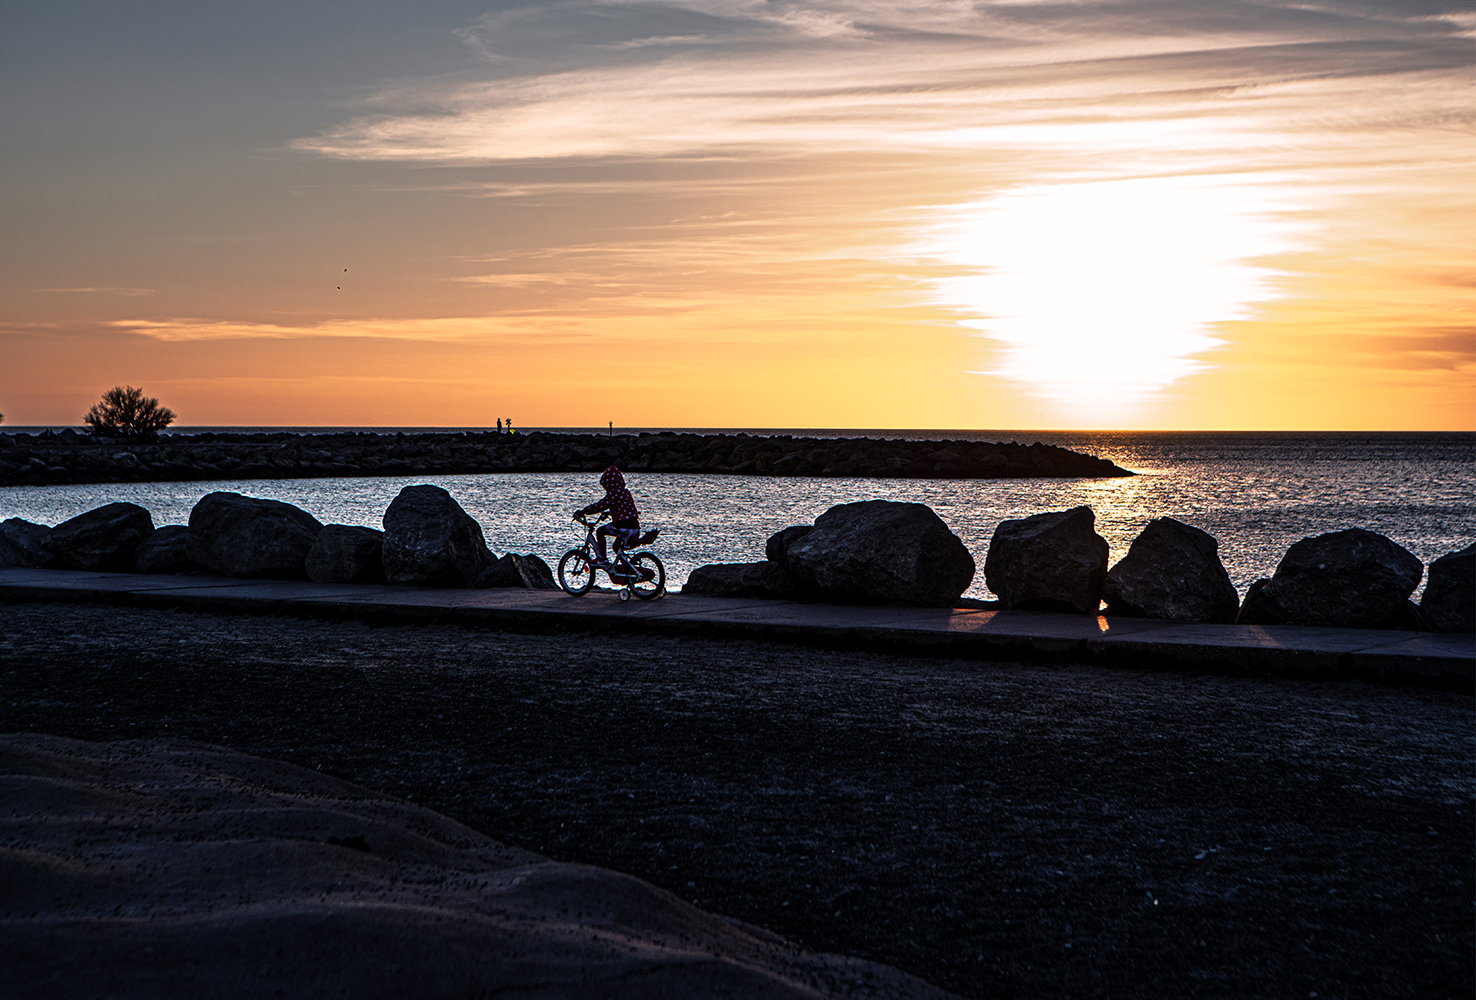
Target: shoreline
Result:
[66, 458]
[995, 829]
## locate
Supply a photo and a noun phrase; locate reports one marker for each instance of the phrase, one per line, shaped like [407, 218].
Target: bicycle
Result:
[639, 573]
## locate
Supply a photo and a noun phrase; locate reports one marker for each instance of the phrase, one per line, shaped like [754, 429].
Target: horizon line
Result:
[590, 429]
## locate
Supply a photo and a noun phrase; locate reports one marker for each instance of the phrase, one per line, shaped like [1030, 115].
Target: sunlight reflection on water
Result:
[1255, 494]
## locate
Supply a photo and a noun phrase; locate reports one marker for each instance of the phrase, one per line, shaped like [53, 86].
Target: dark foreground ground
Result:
[998, 830]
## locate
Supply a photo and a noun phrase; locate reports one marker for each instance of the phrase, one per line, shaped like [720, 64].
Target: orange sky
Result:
[727, 213]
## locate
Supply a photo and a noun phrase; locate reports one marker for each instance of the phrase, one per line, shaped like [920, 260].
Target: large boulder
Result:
[430, 541]
[779, 542]
[346, 553]
[104, 538]
[1172, 571]
[761, 579]
[1407, 617]
[1048, 562]
[251, 537]
[165, 551]
[1449, 601]
[23, 544]
[881, 552]
[1344, 579]
[1259, 607]
[513, 570]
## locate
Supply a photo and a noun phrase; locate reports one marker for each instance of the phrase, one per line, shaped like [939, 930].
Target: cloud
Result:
[188, 329]
[101, 290]
[792, 78]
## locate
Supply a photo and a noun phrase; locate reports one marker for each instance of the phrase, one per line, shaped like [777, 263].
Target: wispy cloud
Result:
[794, 77]
[100, 290]
[186, 329]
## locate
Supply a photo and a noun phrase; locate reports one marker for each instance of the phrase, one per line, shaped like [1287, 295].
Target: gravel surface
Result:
[998, 830]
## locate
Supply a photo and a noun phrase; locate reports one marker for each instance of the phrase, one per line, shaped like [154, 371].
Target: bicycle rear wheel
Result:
[576, 575]
[650, 578]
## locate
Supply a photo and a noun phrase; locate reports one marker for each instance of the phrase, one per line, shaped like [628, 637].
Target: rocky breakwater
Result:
[429, 540]
[881, 552]
[1172, 572]
[69, 457]
[1361, 579]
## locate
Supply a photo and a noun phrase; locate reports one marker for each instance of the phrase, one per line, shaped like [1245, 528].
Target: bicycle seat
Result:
[648, 537]
[625, 538]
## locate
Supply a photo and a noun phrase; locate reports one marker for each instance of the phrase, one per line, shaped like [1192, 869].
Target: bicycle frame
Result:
[622, 570]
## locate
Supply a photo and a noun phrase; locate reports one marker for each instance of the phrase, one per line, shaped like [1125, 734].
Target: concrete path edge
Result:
[1444, 661]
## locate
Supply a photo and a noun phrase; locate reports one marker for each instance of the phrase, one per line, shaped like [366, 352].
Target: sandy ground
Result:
[997, 830]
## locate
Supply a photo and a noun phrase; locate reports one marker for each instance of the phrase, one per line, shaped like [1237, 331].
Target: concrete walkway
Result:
[1446, 661]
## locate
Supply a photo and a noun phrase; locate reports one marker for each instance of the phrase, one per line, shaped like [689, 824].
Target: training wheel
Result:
[625, 593]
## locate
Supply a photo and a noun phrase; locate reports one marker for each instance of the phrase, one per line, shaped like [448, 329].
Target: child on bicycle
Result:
[625, 520]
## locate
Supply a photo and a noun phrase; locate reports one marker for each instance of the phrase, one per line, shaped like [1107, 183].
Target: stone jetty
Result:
[69, 457]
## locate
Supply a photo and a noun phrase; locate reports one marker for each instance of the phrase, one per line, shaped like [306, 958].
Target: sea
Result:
[1255, 492]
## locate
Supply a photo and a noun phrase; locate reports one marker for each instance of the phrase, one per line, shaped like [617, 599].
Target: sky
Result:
[1126, 214]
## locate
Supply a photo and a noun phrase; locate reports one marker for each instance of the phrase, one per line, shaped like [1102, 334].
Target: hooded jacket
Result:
[617, 499]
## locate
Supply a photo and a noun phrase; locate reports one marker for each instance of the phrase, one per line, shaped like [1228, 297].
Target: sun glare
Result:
[1102, 294]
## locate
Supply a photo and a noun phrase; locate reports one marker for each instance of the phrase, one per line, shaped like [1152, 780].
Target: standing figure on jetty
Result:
[625, 520]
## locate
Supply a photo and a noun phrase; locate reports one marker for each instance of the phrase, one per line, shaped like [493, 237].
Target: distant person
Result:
[499, 425]
[510, 426]
[625, 520]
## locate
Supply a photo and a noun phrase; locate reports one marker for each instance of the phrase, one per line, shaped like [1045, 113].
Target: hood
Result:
[612, 480]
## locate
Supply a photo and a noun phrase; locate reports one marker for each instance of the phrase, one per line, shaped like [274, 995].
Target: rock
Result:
[881, 552]
[23, 544]
[165, 551]
[1048, 562]
[1449, 601]
[345, 553]
[1407, 618]
[1172, 571]
[430, 541]
[513, 570]
[350, 891]
[1259, 607]
[761, 579]
[780, 541]
[103, 539]
[251, 537]
[1344, 579]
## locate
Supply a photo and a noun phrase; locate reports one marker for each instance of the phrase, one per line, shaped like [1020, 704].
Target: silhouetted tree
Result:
[124, 412]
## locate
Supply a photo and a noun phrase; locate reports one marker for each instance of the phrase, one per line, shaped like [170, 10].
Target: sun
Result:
[1102, 294]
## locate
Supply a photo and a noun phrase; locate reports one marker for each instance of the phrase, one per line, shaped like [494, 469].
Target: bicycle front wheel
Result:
[650, 578]
[576, 575]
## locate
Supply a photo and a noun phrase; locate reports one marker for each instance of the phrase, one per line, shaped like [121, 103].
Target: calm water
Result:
[1256, 492]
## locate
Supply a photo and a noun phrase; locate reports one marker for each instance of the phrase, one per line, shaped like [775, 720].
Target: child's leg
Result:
[617, 530]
